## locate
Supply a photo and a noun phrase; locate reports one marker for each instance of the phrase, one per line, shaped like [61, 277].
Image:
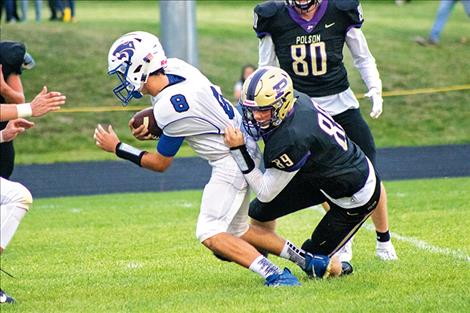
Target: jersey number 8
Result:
[316, 52]
[329, 126]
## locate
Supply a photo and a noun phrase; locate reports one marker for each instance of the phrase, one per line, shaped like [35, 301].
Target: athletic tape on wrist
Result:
[127, 152]
[1, 136]
[24, 110]
[243, 159]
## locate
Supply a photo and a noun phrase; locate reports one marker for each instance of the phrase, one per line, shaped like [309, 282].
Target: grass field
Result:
[138, 253]
[72, 58]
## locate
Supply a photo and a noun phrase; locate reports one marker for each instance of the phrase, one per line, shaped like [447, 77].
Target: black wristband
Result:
[127, 152]
[243, 159]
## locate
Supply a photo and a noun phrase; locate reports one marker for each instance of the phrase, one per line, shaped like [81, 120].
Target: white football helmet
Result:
[132, 58]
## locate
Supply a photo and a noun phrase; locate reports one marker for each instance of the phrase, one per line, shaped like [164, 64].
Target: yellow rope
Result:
[421, 91]
[385, 94]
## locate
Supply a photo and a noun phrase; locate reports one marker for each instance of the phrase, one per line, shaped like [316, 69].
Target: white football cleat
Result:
[345, 253]
[386, 251]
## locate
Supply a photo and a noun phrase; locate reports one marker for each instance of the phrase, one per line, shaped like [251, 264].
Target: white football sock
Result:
[264, 267]
[294, 254]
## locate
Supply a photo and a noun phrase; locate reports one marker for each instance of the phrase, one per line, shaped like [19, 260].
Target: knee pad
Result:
[15, 194]
[206, 230]
[25, 199]
[11, 216]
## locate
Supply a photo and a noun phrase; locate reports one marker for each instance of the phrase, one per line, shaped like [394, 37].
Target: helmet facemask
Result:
[303, 6]
[254, 128]
[273, 93]
[126, 90]
[132, 58]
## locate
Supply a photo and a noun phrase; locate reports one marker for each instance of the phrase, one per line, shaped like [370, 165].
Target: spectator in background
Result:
[11, 11]
[246, 71]
[14, 60]
[53, 8]
[37, 9]
[69, 10]
[445, 8]
[401, 2]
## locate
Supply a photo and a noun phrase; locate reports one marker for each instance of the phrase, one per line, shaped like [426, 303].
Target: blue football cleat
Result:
[317, 266]
[284, 279]
[4, 298]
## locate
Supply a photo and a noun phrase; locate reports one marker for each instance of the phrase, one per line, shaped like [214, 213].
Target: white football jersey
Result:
[195, 109]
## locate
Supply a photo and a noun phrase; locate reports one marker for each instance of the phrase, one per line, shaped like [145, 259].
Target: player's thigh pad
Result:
[15, 193]
[15, 201]
[297, 195]
[224, 205]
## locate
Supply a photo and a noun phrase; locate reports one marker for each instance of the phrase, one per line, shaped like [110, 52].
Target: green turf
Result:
[138, 253]
[72, 58]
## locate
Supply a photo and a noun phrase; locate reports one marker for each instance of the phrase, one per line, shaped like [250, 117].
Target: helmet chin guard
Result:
[304, 6]
[125, 91]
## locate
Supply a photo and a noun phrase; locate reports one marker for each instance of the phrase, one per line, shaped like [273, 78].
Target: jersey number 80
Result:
[315, 52]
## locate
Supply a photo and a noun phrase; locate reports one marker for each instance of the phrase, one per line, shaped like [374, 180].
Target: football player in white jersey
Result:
[187, 106]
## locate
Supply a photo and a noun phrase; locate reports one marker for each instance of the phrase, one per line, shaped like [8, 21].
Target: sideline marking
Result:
[359, 96]
[418, 243]
[423, 245]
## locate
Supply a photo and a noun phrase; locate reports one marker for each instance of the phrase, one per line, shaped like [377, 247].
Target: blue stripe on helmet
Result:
[250, 94]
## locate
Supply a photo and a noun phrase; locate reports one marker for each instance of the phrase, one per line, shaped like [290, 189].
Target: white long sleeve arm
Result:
[268, 185]
[363, 59]
[266, 53]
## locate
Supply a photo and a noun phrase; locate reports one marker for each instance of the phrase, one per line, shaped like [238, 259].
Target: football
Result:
[146, 117]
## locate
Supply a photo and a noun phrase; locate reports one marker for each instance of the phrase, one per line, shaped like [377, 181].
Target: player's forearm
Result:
[156, 162]
[265, 185]
[11, 95]
[269, 184]
[149, 160]
[363, 59]
[13, 111]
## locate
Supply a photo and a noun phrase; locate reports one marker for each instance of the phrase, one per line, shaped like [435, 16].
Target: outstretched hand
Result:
[106, 139]
[45, 102]
[14, 128]
[233, 137]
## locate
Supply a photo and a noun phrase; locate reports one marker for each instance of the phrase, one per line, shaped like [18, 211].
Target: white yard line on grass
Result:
[418, 243]
[423, 245]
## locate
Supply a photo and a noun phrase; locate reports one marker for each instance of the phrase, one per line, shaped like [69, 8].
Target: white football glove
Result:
[375, 97]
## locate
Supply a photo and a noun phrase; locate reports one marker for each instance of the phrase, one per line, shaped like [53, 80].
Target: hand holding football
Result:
[147, 119]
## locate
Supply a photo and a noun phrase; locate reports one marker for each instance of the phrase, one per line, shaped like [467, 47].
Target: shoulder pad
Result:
[346, 5]
[269, 8]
